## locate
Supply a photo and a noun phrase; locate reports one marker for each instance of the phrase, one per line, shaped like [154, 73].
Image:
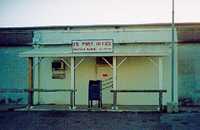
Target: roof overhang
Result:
[41, 52]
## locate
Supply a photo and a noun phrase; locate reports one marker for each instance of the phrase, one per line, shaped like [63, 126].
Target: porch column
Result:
[30, 81]
[160, 71]
[160, 81]
[114, 82]
[36, 79]
[72, 95]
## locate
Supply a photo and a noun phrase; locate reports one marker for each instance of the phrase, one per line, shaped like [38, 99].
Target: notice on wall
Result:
[92, 45]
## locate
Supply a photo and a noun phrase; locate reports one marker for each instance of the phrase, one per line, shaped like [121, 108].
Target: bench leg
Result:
[99, 103]
[114, 101]
[30, 99]
[71, 100]
[160, 101]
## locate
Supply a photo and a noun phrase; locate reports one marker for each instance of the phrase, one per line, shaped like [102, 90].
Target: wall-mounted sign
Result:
[92, 45]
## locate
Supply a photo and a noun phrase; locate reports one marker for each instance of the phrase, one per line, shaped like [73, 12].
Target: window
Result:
[100, 61]
[58, 69]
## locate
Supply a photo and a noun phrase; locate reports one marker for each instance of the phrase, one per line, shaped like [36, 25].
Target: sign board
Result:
[92, 45]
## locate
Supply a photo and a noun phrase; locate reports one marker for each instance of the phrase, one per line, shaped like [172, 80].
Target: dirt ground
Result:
[66, 120]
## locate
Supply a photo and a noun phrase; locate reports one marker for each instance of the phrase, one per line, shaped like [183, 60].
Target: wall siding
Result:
[13, 72]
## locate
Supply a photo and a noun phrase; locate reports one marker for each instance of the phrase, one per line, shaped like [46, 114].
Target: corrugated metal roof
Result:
[9, 36]
[188, 34]
[103, 25]
[15, 38]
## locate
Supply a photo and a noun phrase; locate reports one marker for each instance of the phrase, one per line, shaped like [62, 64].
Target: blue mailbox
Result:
[94, 92]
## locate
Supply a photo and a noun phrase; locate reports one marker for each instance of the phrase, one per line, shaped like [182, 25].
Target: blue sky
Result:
[20, 13]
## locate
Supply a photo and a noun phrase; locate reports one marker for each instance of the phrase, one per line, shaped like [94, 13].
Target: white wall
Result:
[134, 73]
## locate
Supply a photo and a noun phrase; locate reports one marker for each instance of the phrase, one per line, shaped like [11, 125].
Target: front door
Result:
[104, 73]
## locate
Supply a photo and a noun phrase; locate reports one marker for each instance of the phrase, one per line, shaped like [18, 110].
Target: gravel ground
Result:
[60, 120]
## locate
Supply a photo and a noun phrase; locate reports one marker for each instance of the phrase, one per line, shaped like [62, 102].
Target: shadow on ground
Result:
[61, 120]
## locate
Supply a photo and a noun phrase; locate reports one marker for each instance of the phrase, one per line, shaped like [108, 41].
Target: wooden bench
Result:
[21, 90]
[159, 91]
[31, 91]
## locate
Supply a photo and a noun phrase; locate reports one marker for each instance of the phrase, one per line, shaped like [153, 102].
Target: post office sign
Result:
[92, 45]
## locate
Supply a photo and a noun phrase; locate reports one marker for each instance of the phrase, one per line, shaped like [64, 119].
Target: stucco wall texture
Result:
[134, 73]
[13, 73]
[189, 74]
[14, 70]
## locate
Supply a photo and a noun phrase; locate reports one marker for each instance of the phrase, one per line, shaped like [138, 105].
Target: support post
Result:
[174, 77]
[160, 101]
[72, 94]
[79, 63]
[121, 62]
[114, 82]
[160, 82]
[36, 79]
[30, 81]
[160, 75]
